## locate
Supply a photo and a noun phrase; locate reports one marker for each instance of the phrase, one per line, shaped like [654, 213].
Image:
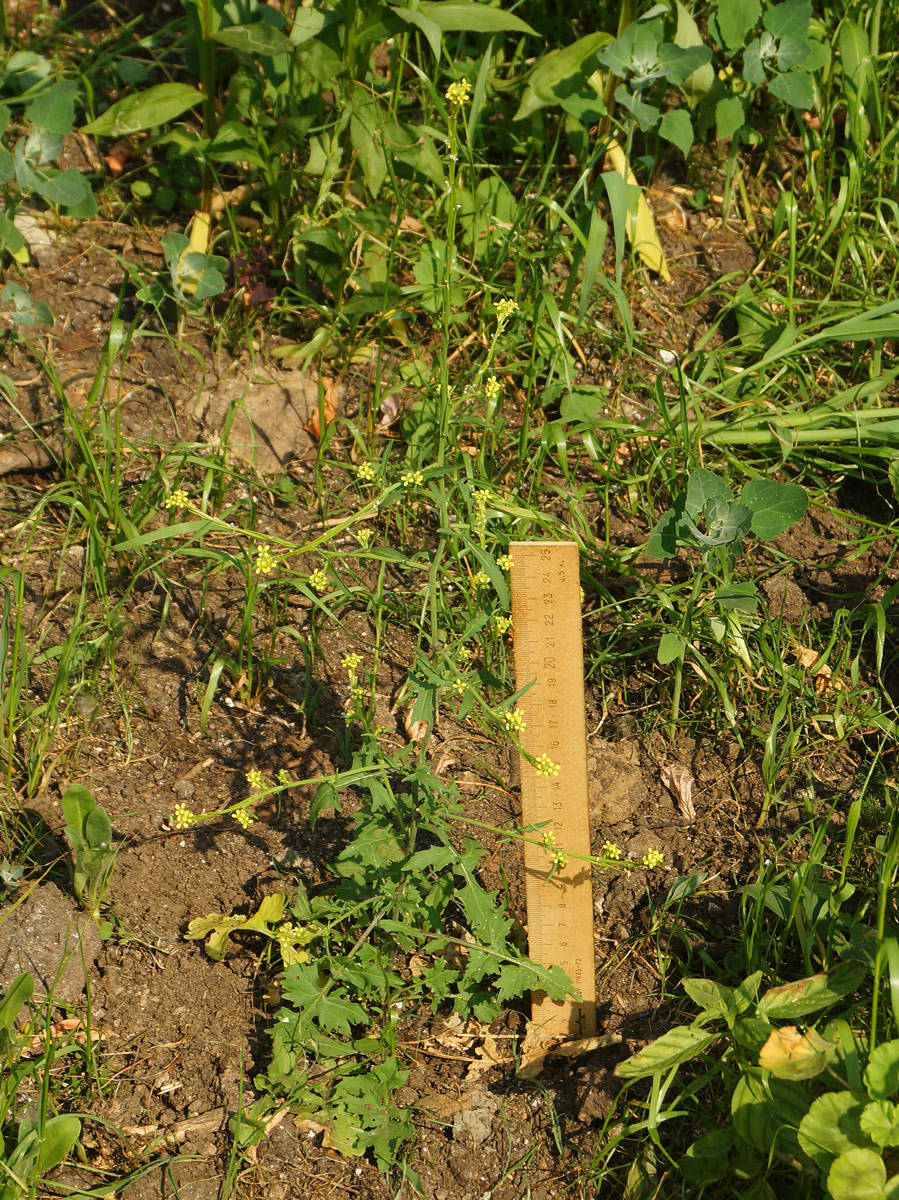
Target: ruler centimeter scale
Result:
[549, 655]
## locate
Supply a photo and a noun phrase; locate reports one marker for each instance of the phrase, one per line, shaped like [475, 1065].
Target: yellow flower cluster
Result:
[514, 721]
[610, 850]
[183, 818]
[366, 472]
[364, 537]
[480, 579]
[502, 624]
[492, 390]
[265, 561]
[178, 499]
[545, 766]
[504, 310]
[256, 779]
[504, 562]
[243, 818]
[319, 580]
[458, 94]
[351, 663]
[652, 859]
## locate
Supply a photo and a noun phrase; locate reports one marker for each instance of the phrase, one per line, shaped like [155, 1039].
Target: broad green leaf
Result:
[58, 1136]
[882, 1073]
[713, 998]
[560, 73]
[318, 999]
[859, 1174]
[792, 52]
[54, 109]
[259, 38]
[737, 597]
[646, 115]
[775, 506]
[730, 116]
[735, 19]
[793, 1000]
[667, 535]
[309, 22]
[676, 1046]
[16, 995]
[794, 89]
[707, 1160]
[789, 19]
[584, 404]
[859, 78]
[432, 31]
[880, 1121]
[677, 128]
[705, 489]
[677, 63]
[12, 240]
[514, 979]
[831, 1125]
[66, 189]
[156, 106]
[698, 84]
[671, 647]
[472, 17]
[235, 143]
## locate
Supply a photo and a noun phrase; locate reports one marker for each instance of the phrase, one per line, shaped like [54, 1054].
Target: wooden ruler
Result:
[549, 654]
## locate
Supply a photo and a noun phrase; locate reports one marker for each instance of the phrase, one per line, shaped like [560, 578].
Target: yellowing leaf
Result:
[641, 229]
[789, 1054]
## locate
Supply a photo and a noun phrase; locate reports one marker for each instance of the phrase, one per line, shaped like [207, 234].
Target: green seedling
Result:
[89, 834]
[41, 1146]
[709, 520]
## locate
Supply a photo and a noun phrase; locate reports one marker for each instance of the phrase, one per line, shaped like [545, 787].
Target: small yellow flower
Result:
[502, 624]
[458, 94]
[492, 390]
[560, 860]
[545, 766]
[652, 859]
[459, 685]
[178, 499]
[481, 497]
[183, 817]
[412, 478]
[256, 779]
[358, 694]
[610, 850]
[480, 579]
[319, 580]
[351, 663]
[366, 472]
[504, 562]
[514, 721]
[364, 537]
[283, 778]
[265, 561]
[243, 818]
[464, 654]
[549, 839]
[504, 310]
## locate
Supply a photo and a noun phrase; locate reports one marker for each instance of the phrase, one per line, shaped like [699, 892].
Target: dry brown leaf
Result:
[389, 410]
[61, 1029]
[489, 1055]
[679, 781]
[537, 1048]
